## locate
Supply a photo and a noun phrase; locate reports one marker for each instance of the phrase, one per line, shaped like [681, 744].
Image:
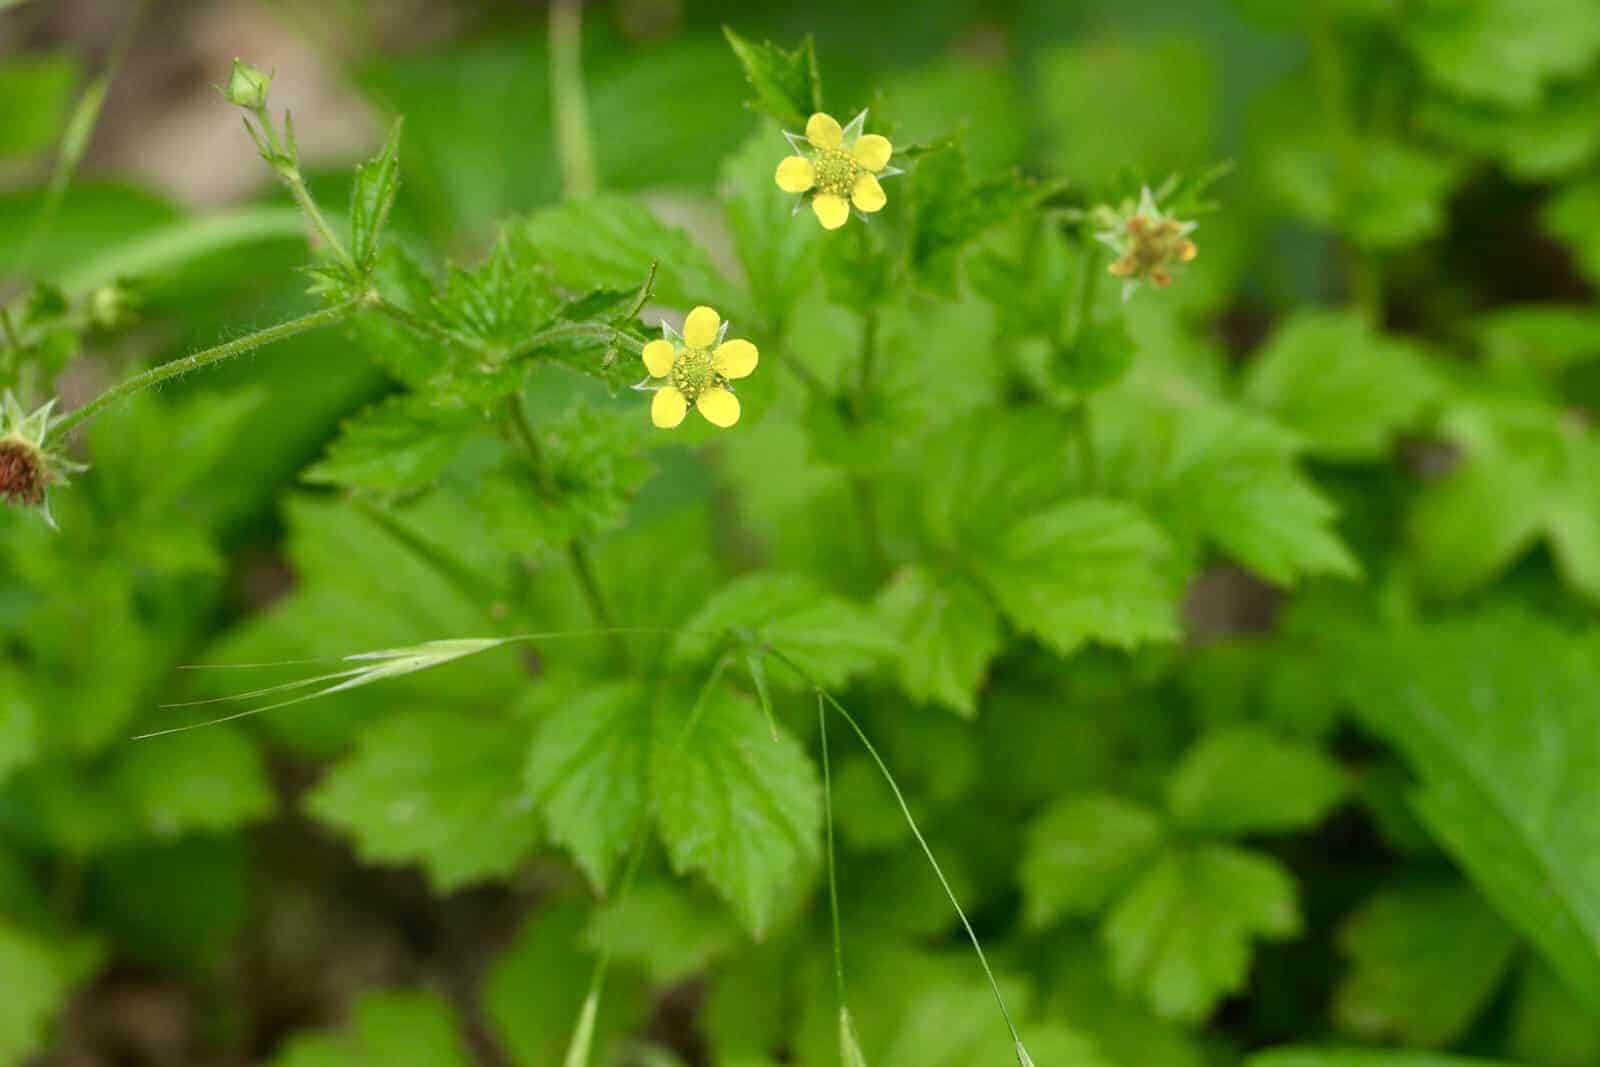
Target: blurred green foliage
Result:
[1234, 645]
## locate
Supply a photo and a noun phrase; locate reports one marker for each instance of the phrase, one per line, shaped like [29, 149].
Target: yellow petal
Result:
[824, 131]
[658, 358]
[720, 407]
[668, 408]
[873, 152]
[700, 328]
[735, 359]
[831, 210]
[867, 194]
[796, 174]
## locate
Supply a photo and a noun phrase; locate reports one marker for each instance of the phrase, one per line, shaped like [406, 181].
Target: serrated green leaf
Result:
[827, 637]
[1216, 474]
[735, 806]
[1091, 570]
[786, 83]
[1345, 388]
[402, 443]
[587, 775]
[19, 724]
[400, 1028]
[1501, 51]
[206, 780]
[1016, 465]
[1183, 936]
[1495, 714]
[442, 789]
[1241, 780]
[1396, 199]
[372, 196]
[612, 241]
[951, 209]
[1425, 958]
[1526, 471]
[1547, 338]
[1082, 851]
[1536, 144]
[947, 632]
[1573, 215]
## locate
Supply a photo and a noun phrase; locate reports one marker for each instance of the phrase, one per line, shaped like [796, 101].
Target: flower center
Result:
[836, 171]
[692, 372]
[21, 476]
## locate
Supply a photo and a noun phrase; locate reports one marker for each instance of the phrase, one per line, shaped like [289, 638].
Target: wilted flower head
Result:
[27, 468]
[838, 166]
[1148, 242]
[695, 367]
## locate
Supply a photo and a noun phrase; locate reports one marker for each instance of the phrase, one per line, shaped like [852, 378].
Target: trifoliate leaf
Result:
[439, 788]
[947, 631]
[1092, 570]
[1240, 780]
[827, 637]
[665, 929]
[1425, 958]
[402, 1028]
[1526, 471]
[1081, 852]
[611, 242]
[1549, 1024]
[586, 775]
[37, 973]
[402, 443]
[1183, 936]
[1501, 51]
[205, 780]
[372, 196]
[785, 82]
[1495, 714]
[1346, 389]
[734, 805]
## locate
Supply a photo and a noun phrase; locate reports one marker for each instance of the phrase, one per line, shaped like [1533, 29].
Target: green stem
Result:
[916, 832]
[1083, 423]
[833, 881]
[576, 331]
[249, 343]
[573, 144]
[1366, 281]
[866, 497]
[423, 326]
[577, 553]
[297, 187]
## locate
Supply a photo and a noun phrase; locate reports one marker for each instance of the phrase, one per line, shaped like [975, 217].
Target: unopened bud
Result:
[247, 87]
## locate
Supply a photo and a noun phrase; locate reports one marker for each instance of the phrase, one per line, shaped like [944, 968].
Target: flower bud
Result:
[248, 86]
[112, 306]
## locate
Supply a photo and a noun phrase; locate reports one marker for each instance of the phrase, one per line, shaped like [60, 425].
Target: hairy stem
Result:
[577, 553]
[249, 343]
[573, 144]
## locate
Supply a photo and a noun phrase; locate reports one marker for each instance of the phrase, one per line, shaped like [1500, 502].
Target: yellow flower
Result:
[838, 166]
[1148, 242]
[695, 367]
